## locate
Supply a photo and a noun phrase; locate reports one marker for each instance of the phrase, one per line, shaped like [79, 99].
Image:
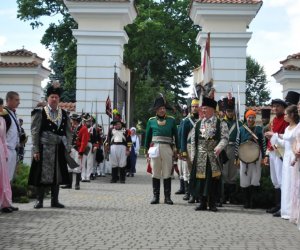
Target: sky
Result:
[275, 35]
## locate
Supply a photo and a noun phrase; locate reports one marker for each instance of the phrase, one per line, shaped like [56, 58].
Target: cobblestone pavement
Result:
[118, 216]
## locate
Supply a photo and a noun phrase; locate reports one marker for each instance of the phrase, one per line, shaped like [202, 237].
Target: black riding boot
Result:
[203, 204]
[54, 197]
[122, 175]
[77, 184]
[114, 175]
[246, 197]
[39, 197]
[186, 197]
[156, 191]
[69, 186]
[167, 191]
[181, 188]
[213, 195]
[277, 206]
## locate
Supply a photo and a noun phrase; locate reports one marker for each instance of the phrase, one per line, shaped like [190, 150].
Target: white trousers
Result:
[88, 167]
[275, 169]
[118, 157]
[163, 164]
[12, 163]
[251, 175]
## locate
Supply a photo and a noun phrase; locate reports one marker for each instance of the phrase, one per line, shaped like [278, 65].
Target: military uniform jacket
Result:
[188, 124]
[207, 135]
[81, 139]
[161, 127]
[232, 128]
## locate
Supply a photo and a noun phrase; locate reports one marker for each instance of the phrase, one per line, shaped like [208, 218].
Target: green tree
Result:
[257, 93]
[161, 52]
[58, 38]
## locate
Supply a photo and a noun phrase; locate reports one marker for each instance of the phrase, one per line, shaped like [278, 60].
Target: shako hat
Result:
[229, 103]
[265, 113]
[292, 97]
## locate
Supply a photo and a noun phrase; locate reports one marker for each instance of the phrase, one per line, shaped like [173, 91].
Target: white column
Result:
[227, 24]
[100, 44]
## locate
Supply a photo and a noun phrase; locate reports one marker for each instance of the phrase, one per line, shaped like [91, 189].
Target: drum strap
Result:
[250, 131]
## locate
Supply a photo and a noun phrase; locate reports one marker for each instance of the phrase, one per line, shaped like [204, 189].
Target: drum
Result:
[249, 152]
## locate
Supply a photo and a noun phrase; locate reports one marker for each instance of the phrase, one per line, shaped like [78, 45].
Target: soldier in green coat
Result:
[161, 137]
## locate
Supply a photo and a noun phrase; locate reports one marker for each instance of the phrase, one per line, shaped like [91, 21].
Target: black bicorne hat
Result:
[160, 102]
[265, 113]
[292, 97]
[229, 103]
[54, 88]
[279, 101]
[209, 102]
[75, 117]
[86, 117]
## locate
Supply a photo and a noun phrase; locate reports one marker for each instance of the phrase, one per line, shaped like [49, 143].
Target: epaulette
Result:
[151, 118]
[169, 116]
[4, 112]
[35, 110]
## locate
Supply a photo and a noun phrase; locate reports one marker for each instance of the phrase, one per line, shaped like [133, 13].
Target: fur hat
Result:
[208, 102]
[54, 88]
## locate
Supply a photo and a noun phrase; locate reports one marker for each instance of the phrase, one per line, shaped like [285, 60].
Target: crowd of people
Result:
[63, 145]
[213, 148]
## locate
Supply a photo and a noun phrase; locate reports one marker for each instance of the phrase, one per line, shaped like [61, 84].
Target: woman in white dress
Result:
[286, 140]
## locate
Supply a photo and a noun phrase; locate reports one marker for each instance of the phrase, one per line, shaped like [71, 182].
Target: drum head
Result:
[249, 152]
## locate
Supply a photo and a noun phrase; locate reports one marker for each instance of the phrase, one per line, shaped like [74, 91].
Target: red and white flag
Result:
[108, 107]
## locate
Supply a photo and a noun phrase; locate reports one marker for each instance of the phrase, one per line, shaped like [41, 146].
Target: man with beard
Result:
[209, 138]
[51, 140]
[185, 145]
[273, 158]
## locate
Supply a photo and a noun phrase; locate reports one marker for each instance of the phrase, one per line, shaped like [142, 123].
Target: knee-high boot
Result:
[54, 197]
[156, 191]
[77, 184]
[39, 197]
[246, 197]
[114, 175]
[167, 191]
[213, 195]
[122, 175]
[181, 188]
[186, 197]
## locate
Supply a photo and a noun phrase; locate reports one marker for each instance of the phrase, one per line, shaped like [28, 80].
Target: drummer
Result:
[250, 171]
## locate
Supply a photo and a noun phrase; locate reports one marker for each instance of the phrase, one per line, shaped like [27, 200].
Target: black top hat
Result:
[54, 89]
[265, 113]
[229, 103]
[209, 102]
[279, 101]
[75, 117]
[292, 97]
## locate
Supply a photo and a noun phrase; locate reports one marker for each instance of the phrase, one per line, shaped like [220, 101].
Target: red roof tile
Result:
[294, 56]
[20, 52]
[70, 106]
[22, 65]
[229, 1]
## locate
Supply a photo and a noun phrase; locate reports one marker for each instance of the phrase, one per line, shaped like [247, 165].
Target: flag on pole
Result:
[108, 107]
[206, 65]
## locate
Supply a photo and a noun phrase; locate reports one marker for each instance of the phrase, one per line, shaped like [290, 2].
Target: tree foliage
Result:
[257, 93]
[161, 52]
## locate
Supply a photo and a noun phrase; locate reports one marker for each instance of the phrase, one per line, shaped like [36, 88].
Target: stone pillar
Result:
[100, 43]
[22, 71]
[289, 74]
[227, 24]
